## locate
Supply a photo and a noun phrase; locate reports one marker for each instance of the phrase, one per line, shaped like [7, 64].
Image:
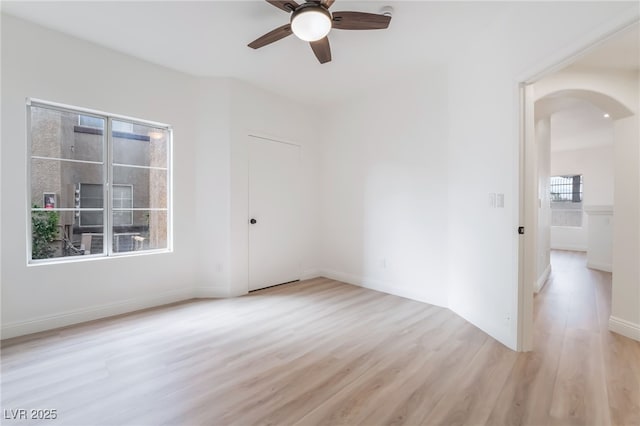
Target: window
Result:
[566, 200]
[95, 192]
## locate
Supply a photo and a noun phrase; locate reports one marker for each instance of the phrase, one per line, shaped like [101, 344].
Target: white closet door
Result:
[274, 213]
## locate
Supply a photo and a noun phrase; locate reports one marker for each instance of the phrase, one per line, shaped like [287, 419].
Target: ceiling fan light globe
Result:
[311, 24]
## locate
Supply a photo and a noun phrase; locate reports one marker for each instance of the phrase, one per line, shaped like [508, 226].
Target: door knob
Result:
[253, 221]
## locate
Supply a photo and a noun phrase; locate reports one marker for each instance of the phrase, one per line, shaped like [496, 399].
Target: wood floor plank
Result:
[324, 352]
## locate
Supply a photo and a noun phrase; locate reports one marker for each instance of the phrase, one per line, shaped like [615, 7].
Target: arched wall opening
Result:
[617, 98]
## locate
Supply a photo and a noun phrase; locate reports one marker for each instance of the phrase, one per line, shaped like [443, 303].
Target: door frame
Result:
[239, 208]
[527, 164]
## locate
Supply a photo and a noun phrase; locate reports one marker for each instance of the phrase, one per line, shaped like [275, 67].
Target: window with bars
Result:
[566, 188]
[566, 200]
[87, 164]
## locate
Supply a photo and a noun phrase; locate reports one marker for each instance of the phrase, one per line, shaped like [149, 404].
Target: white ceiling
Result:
[209, 38]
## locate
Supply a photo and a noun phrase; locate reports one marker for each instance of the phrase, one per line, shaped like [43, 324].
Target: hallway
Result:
[577, 368]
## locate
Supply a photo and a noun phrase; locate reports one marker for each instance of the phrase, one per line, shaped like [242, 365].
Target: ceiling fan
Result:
[311, 21]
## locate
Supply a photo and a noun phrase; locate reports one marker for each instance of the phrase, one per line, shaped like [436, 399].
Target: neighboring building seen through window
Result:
[94, 193]
[566, 200]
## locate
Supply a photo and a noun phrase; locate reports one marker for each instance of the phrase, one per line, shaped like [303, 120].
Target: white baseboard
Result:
[208, 292]
[606, 267]
[624, 327]
[309, 274]
[543, 279]
[377, 286]
[20, 328]
[569, 248]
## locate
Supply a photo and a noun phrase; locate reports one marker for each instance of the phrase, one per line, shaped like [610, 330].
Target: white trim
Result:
[606, 267]
[542, 280]
[372, 284]
[132, 209]
[95, 112]
[598, 210]
[211, 292]
[63, 319]
[139, 167]
[309, 274]
[276, 139]
[569, 248]
[68, 160]
[624, 327]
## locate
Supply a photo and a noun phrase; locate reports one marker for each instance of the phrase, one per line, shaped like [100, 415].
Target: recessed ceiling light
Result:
[606, 115]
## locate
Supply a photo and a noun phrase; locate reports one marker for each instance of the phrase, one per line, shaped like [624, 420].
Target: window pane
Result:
[122, 126]
[149, 185]
[566, 188]
[142, 146]
[62, 179]
[148, 232]
[122, 199]
[91, 197]
[55, 234]
[56, 134]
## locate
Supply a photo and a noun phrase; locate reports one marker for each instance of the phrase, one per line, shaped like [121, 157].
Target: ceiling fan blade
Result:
[327, 3]
[271, 36]
[286, 5]
[360, 21]
[322, 50]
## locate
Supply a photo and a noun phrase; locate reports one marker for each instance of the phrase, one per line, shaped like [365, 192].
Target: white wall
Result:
[543, 144]
[625, 303]
[384, 205]
[596, 165]
[600, 238]
[212, 167]
[47, 65]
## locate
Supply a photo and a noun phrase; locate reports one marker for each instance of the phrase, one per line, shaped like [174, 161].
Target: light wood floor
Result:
[323, 352]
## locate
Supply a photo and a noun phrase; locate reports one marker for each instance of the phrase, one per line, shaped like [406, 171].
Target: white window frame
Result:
[108, 165]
